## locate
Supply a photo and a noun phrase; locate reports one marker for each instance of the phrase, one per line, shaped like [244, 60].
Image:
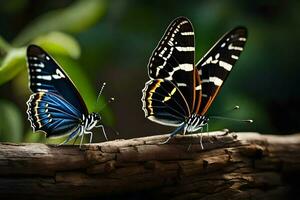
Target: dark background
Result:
[116, 46]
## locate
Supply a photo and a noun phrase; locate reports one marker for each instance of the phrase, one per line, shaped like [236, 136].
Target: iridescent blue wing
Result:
[52, 114]
[45, 75]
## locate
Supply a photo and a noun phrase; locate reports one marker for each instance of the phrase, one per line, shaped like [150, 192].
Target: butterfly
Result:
[180, 92]
[56, 107]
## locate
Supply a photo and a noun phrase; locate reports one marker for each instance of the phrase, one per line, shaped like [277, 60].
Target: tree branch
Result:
[231, 166]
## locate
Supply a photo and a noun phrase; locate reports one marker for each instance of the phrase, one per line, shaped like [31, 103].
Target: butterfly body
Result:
[56, 107]
[160, 91]
[195, 122]
[180, 92]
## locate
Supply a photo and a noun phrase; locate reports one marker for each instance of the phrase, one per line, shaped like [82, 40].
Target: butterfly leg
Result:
[81, 140]
[175, 132]
[91, 135]
[75, 139]
[103, 130]
[201, 137]
[200, 140]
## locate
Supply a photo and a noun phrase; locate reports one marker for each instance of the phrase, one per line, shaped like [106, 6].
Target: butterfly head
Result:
[96, 116]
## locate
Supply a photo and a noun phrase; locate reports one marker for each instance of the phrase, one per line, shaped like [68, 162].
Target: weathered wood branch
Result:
[231, 166]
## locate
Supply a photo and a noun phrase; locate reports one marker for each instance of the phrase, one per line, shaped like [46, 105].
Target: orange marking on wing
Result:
[211, 99]
[40, 95]
[150, 96]
[197, 82]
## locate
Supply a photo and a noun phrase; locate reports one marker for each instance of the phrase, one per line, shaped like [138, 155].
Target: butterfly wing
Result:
[164, 103]
[52, 114]
[45, 75]
[215, 66]
[173, 58]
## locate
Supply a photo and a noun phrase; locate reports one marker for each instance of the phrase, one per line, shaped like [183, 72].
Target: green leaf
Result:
[73, 19]
[59, 43]
[4, 46]
[12, 64]
[54, 43]
[10, 122]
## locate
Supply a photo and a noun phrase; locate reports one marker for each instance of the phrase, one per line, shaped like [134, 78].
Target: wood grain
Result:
[231, 166]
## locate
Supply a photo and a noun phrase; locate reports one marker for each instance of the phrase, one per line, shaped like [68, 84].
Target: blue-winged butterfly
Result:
[56, 107]
[180, 92]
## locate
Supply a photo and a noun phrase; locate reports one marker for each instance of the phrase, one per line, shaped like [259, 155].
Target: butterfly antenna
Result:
[231, 110]
[100, 92]
[111, 99]
[111, 128]
[232, 119]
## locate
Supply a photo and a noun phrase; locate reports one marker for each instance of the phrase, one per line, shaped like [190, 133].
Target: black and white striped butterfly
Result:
[56, 107]
[179, 93]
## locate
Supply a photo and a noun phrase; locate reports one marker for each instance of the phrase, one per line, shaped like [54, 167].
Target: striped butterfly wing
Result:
[168, 98]
[52, 114]
[45, 75]
[173, 59]
[163, 103]
[215, 66]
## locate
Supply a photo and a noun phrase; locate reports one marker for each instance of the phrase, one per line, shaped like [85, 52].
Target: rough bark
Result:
[231, 166]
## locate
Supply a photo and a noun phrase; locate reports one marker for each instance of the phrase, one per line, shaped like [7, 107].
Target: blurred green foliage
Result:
[111, 41]
[11, 122]
[72, 19]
